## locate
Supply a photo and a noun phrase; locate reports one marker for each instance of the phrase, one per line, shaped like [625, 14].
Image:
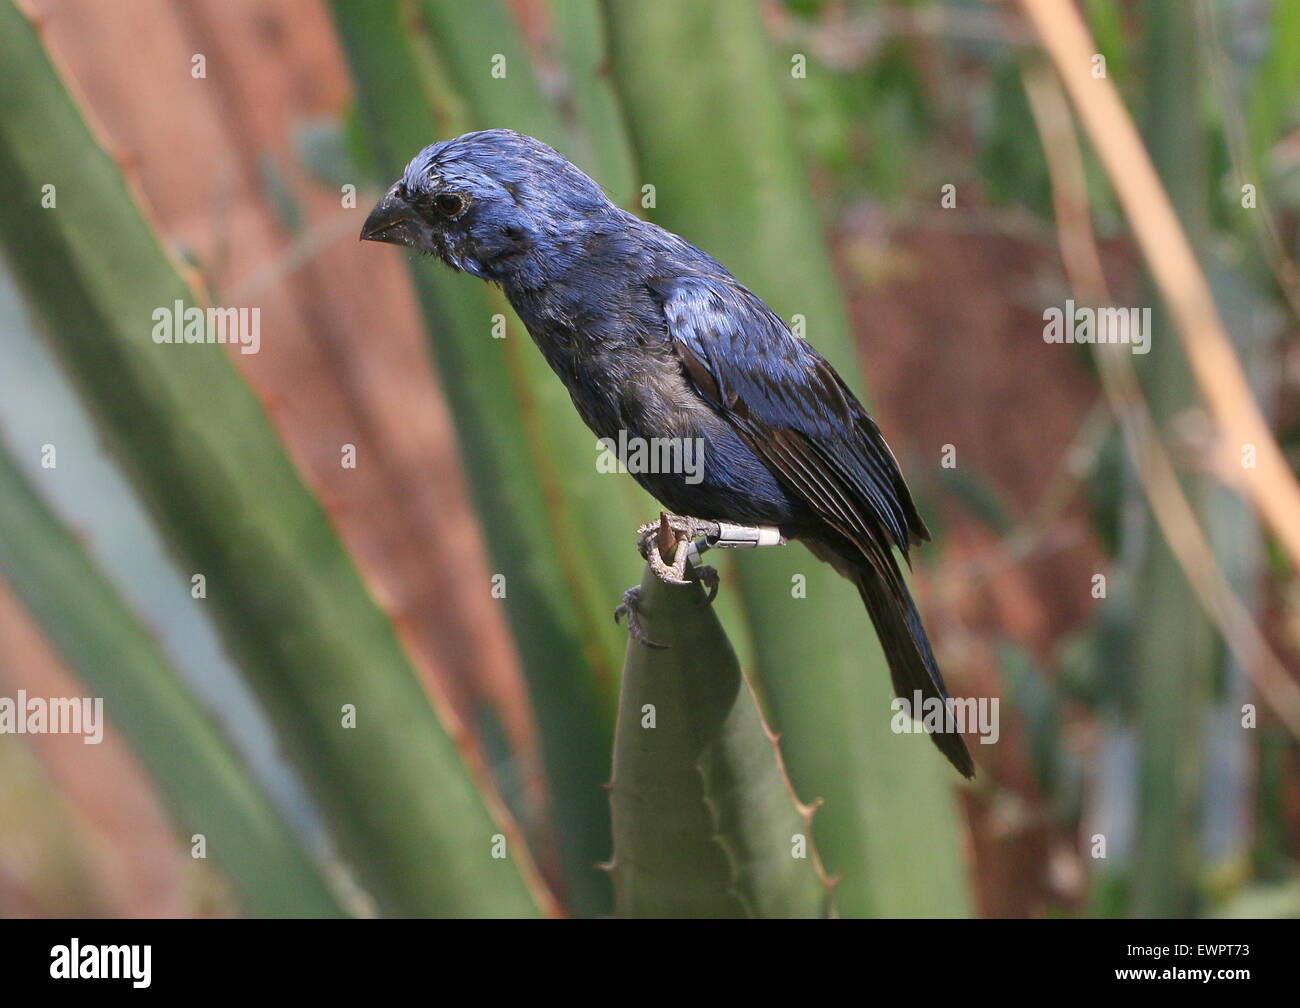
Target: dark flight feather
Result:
[797, 415]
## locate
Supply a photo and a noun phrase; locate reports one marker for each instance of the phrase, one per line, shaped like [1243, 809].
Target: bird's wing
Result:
[793, 410]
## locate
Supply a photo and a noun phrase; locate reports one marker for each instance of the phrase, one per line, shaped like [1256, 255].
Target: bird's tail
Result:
[911, 662]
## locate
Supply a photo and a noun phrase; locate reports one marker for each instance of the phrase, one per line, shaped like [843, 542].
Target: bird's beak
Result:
[390, 220]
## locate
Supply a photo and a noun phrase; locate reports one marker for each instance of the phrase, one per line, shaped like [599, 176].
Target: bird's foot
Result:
[673, 535]
[708, 576]
[631, 608]
[685, 539]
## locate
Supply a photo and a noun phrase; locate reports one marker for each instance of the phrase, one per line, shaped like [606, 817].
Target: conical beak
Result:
[390, 220]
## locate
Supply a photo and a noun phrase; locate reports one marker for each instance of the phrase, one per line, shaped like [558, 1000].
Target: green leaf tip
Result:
[705, 821]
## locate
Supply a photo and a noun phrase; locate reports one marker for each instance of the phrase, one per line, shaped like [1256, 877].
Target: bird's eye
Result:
[450, 204]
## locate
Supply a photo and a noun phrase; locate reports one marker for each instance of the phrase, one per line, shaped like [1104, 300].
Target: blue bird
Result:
[655, 339]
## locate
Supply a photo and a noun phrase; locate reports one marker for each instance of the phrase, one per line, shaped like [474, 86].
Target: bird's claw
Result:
[674, 573]
[675, 533]
[671, 533]
[708, 576]
[631, 608]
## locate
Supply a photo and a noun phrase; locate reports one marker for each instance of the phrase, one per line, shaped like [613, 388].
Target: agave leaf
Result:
[705, 821]
[599, 120]
[203, 782]
[1174, 654]
[414, 819]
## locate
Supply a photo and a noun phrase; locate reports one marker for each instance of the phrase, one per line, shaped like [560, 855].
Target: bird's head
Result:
[485, 201]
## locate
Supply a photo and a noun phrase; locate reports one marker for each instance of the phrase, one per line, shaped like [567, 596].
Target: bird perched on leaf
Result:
[654, 338]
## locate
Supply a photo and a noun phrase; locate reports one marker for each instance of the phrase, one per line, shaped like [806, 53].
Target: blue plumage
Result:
[655, 339]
